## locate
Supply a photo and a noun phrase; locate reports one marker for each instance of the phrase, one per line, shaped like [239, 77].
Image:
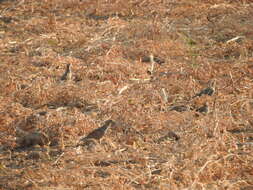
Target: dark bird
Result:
[180, 108]
[32, 139]
[169, 136]
[210, 90]
[203, 109]
[68, 73]
[155, 59]
[98, 133]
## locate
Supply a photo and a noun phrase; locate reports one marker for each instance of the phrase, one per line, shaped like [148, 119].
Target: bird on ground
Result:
[203, 109]
[68, 73]
[180, 108]
[169, 136]
[210, 90]
[98, 133]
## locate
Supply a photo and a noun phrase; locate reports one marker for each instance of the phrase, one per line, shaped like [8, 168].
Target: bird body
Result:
[180, 108]
[203, 109]
[98, 133]
[169, 136]
[68, 73]
[210, 90]
[207, 91]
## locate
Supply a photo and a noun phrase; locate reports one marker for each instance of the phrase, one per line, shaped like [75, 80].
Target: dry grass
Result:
[109, 44]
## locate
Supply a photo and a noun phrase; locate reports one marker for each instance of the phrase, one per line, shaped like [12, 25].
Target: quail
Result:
[203, 109]
[98, 133]
[210, 90]
[154, 59]
[68, 73]
[34, 138]
[169, 136]
[180, 108]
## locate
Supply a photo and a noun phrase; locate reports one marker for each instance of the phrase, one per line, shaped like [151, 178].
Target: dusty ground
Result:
[131, 62]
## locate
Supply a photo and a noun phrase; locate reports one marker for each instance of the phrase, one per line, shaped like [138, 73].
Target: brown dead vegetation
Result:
[142, 65]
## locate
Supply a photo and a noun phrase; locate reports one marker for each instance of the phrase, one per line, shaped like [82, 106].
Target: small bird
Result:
[68, 73]
[203, 109]
[169, 136]
[98, 133]
[210, 90]
[32, 139]
[180, 108]
[158, 60]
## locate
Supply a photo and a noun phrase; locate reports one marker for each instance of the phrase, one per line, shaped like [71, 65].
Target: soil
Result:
[69, 67]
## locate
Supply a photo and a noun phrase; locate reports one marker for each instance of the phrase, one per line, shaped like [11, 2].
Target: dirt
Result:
[174, 77]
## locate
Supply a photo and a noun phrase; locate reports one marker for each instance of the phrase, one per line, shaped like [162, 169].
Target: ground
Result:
[140, 65]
